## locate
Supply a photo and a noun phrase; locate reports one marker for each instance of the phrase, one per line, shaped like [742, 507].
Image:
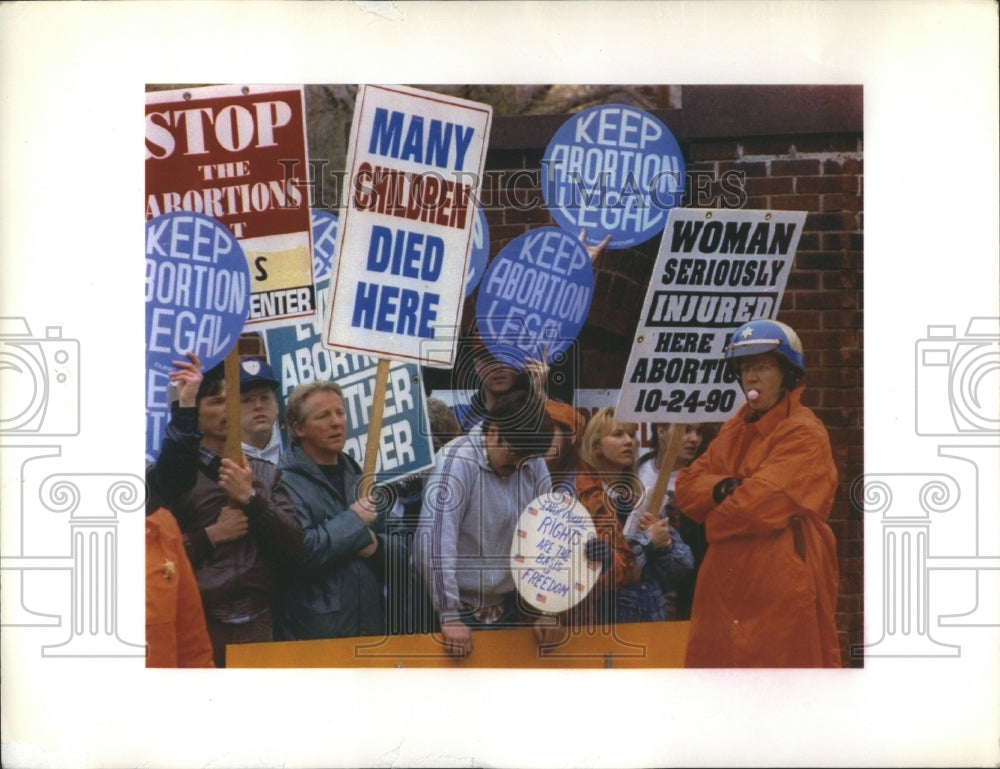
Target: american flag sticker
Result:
[522, 533]
[519, 558]
[533, 511]
[541, 598]
[580, 587]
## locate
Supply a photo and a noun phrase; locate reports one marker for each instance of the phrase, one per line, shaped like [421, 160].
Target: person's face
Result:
[212, 416]
[322, 432]
[761, 375]
[689, 446]
[560, 453]
[502, 458]
[617, 446]
[258, 413]
[497, 377]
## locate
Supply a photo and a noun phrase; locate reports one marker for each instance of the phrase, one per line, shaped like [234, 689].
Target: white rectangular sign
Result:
[716, 269]
[415, 164]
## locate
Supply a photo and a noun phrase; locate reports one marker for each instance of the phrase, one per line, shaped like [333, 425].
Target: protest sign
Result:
[548, 554]
[613, 170]
[535, 296]
[479, 254]
[297, 356]
[715, 270]
[415, 163]
[233, 153]
[197, 299]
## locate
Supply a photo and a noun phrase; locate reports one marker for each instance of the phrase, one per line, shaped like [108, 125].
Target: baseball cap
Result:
[255, 372]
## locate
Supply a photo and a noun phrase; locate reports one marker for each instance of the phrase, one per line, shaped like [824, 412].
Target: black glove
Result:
[599, 551]
[724, 488]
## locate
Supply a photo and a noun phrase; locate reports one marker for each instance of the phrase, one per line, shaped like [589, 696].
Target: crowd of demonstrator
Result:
[283, 546]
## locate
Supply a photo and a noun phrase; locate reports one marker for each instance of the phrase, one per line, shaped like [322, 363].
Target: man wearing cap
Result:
[480, 484]
[766, 593]
[259, 410]
[239, 524]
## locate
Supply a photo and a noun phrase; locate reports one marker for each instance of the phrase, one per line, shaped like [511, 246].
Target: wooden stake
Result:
[375, 427]
[234, 443]
[666, 467]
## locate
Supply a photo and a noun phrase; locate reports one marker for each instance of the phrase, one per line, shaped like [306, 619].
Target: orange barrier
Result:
[634, 645]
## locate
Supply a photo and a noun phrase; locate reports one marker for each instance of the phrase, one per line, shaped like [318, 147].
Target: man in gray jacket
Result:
[472, 500]
[334, 588]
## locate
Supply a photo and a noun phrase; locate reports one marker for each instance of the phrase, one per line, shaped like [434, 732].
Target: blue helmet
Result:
[760, 336]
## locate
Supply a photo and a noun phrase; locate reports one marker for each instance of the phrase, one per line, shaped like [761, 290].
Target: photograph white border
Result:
[72, 77]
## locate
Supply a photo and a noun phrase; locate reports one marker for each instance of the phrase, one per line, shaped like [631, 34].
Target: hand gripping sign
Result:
[535, 296]
[548, 555]
[613, 169]
[197, 298]
[404, 442]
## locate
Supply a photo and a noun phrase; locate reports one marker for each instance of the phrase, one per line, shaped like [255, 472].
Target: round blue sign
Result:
[479, 254]
[615, 170]
[324, 236]
[535, 296]
[197, 290]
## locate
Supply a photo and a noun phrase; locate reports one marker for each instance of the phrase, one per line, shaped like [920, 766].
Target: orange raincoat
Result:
[767, 590]
[175, 622]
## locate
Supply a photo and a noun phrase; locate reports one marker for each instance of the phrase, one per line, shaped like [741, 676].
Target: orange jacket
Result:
[766, 593]
[598, 606]
[176, 636]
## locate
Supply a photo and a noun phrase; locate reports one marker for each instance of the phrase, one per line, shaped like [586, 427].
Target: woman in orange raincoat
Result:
[767, 590]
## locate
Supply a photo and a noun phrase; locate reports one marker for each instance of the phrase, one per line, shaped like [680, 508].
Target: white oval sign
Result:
[548, 554]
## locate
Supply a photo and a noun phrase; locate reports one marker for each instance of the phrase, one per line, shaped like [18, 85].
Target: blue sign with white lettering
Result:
[535, 296]
[479, 253]
[324, 236]
[197, 300]
[613, 169]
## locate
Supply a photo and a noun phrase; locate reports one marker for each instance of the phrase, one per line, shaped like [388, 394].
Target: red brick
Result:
[537, 215]
[722, 150]
[809, 240]
[826, 143]
[750, 168]
[767, 185]
[840, 279]
[839, 202]
[826, 184]
[767, 145]
[831, 221]
[799, 167]
[802, 280]
[845, 166]
[800, 320]
[795, 202]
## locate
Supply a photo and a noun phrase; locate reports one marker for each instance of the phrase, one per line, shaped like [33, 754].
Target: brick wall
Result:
[779, 148]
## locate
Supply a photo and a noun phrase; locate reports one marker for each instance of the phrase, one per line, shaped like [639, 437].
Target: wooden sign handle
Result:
[234, 443]
[666, 467]
[375, 426]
